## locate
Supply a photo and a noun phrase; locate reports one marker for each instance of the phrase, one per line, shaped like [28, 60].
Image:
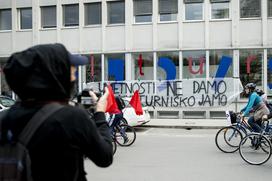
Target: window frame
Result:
[7, 9]
[242, 18]
[48, 27]
[149, 15]
[63, 16]
[194, 20]
[108, 14]
[85, 17]
[19, 19]
[220, 19]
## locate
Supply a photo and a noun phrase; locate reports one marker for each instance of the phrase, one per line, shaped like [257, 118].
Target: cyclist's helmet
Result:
[251, 86]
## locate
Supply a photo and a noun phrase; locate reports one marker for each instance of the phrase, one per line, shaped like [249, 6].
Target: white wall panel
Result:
[142, 37]
[92, 39]
[69, 1]
[269, 32]
[217, 29]
[168, 36]
[6, 43]
[5, 4]
[48, 36]
[23, 40]
[193, 35]
[250, 32]
[115, 38]
[23, 3]
[48, 2]
[70, 38]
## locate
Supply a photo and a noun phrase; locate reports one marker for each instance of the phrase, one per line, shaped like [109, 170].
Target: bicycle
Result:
[228, 138]
[255, 148]
[122, 133]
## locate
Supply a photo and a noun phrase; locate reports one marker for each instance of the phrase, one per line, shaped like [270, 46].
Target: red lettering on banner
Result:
[201, 66]
[140, 64]
[250, 59]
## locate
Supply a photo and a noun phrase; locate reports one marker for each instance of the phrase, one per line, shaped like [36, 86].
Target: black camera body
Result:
[86, 100]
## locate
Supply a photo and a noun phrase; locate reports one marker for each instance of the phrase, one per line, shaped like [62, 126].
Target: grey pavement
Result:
[187, 123]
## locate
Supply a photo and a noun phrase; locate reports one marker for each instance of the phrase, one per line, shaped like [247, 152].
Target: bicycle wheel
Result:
[227, 139]
[114, 146]
[123, 121]
[125, 135]
[255, 149]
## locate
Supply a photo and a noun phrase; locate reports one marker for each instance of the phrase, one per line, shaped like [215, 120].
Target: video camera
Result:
[86, 100]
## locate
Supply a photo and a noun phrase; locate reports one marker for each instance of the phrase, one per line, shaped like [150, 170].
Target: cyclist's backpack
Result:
[120, 103]
[15, 163]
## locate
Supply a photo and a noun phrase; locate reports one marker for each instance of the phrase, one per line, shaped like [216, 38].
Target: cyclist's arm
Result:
[249, 104]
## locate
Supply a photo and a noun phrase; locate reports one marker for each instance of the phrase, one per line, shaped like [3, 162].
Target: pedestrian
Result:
[41, 75]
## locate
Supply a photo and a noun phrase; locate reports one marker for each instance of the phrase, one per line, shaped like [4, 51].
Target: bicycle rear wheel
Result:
[125, 135]
[227, 139]
[255, 149]
[114, 146]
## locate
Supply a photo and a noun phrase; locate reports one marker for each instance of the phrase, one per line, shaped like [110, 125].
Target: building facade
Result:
[127, 39]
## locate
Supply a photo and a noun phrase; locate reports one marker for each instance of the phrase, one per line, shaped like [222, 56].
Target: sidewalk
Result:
[187, 123]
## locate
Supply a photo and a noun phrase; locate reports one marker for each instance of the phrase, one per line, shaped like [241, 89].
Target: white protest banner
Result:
[189, 93]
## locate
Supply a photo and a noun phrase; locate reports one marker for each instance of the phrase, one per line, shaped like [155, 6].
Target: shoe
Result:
[125, 139]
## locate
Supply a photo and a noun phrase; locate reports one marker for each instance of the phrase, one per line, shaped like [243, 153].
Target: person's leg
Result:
[254, 125]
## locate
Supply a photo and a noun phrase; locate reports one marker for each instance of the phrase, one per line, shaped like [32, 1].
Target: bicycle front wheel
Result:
[255, 149]
[125, 135]
[227, 139]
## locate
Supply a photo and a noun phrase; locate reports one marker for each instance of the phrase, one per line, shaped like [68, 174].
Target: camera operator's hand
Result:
[102, 102]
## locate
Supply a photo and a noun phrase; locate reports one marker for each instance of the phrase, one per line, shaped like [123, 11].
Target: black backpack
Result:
[15, 163]
[120, 103]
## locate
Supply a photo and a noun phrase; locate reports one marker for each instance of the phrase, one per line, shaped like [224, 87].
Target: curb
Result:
[180, 127]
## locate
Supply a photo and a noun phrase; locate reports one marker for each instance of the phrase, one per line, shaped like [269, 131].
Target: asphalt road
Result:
[177, 155]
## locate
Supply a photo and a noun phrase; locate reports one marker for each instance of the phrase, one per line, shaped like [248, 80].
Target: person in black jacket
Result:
[43, 74]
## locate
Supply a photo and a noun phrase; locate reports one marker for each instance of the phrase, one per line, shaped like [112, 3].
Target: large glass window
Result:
[93, 13]
[115, 67]
[221, 63]
[250, 8]
[251, 70]
[5, 19]
[93, 70]
[168, 65]
[25, 18]
[143, 66]
[269, 7]
[71, 15]
[193, 9]
[220, 10]
[269, 71]
[142, 10]
[116, 12]
[194, 64]
[168, 10]
[48, 17]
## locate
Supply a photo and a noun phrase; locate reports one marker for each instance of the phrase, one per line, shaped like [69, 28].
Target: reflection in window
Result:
[223, 58]
[194, 64]
[116, 12]
[250, 8]
[5, 19]
[48, 17]
[269, 7]
[115, 67]
[143, 66]
[25, 18]
[93, 70]
[269, 71]
[193, 11]
[220, 10]
[251, 66]
[168, 10]
[168, 66]
[142, 10]
[93, 13]
[71, 15]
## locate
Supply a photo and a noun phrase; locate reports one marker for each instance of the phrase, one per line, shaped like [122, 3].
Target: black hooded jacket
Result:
[39, 75]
